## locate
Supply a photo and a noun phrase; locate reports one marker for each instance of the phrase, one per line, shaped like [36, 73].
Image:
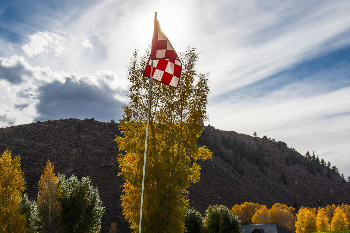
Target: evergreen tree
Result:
[12, 186]
[176, 120]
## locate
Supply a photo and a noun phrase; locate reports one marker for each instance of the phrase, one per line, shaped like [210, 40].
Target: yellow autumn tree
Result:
[261, 216]
[306, 220]
[48, 203]
[330, 211]
[346, 209]
[176, 122]
[282, 215]
[322, 221]
[12, 186]
[246, 211]
[277, 210]
[339, 221]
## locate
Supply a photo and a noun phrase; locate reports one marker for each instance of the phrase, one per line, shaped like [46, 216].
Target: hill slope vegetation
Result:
[243, 168]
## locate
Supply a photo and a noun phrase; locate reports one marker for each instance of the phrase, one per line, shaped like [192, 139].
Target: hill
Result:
[243, 168]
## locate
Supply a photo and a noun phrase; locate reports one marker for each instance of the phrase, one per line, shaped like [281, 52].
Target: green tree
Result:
[218, 219]
[322, 220]
[48, 200]
[306, 220]
[177, 117]
[12, 186]
[193, 221]
[30, 210]
[339, 221]
[81, 206]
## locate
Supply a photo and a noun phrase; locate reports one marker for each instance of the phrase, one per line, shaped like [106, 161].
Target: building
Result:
[264, 228]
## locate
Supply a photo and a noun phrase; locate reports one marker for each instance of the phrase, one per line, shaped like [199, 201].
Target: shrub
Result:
[193, 221]
[81, 205]
[218, 219]
[30, 210]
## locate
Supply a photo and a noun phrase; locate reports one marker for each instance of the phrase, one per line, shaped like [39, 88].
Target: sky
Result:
[277, 68]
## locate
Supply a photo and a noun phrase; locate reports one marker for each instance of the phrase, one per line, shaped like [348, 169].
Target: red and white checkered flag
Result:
[166, 65]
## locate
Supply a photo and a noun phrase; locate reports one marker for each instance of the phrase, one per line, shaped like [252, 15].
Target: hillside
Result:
[243, 168]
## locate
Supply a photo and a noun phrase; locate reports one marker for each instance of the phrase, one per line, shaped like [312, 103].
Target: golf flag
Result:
[166, 65]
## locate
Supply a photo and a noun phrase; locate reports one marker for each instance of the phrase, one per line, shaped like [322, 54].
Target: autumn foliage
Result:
[246, 211]
[175, 125]
[12, 186]
[306, 220]
[339, 221]
[48, 203]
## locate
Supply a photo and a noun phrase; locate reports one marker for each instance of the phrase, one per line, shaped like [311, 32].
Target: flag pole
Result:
[144, 155]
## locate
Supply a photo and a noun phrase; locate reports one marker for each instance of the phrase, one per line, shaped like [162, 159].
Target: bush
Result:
[81, 205]
[193, 221]
[218, 219]
[30, 210]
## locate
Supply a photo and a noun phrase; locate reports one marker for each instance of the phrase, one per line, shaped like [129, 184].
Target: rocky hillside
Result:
[243, 168]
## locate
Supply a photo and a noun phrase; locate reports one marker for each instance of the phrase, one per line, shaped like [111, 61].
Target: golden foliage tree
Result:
[12, 186]
[282, 215]
[48, 203]
[339, 221]
[246, 211]
[346, 208]
[176, 120]
[261, 216]
[306, 220]
[330, 211]
[322, 220]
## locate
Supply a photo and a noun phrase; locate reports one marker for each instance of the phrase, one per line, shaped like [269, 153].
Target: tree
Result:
[322, 221]
[306, 220]
[246, 211]
[48, 200]
[218, 219]
[30, 210]
[282, 215]
[346, 209]
[261, 216]
[12, 186]
[330, 211]
[177, 117]
[193, 221]
[339, 221]
[81, 206]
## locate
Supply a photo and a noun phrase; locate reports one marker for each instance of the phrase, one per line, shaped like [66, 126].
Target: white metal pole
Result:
[144, 156]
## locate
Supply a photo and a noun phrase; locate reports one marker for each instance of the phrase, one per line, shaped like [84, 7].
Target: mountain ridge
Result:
[243, 168]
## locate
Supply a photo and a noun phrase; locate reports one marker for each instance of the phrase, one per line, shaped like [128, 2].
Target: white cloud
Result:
[30, 93]
[45, 42]
[87, 44]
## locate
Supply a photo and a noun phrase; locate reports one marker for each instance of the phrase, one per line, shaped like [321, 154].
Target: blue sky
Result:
[280, 68]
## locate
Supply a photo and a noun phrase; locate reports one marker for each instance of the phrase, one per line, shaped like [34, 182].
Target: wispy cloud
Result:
[274, 65]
